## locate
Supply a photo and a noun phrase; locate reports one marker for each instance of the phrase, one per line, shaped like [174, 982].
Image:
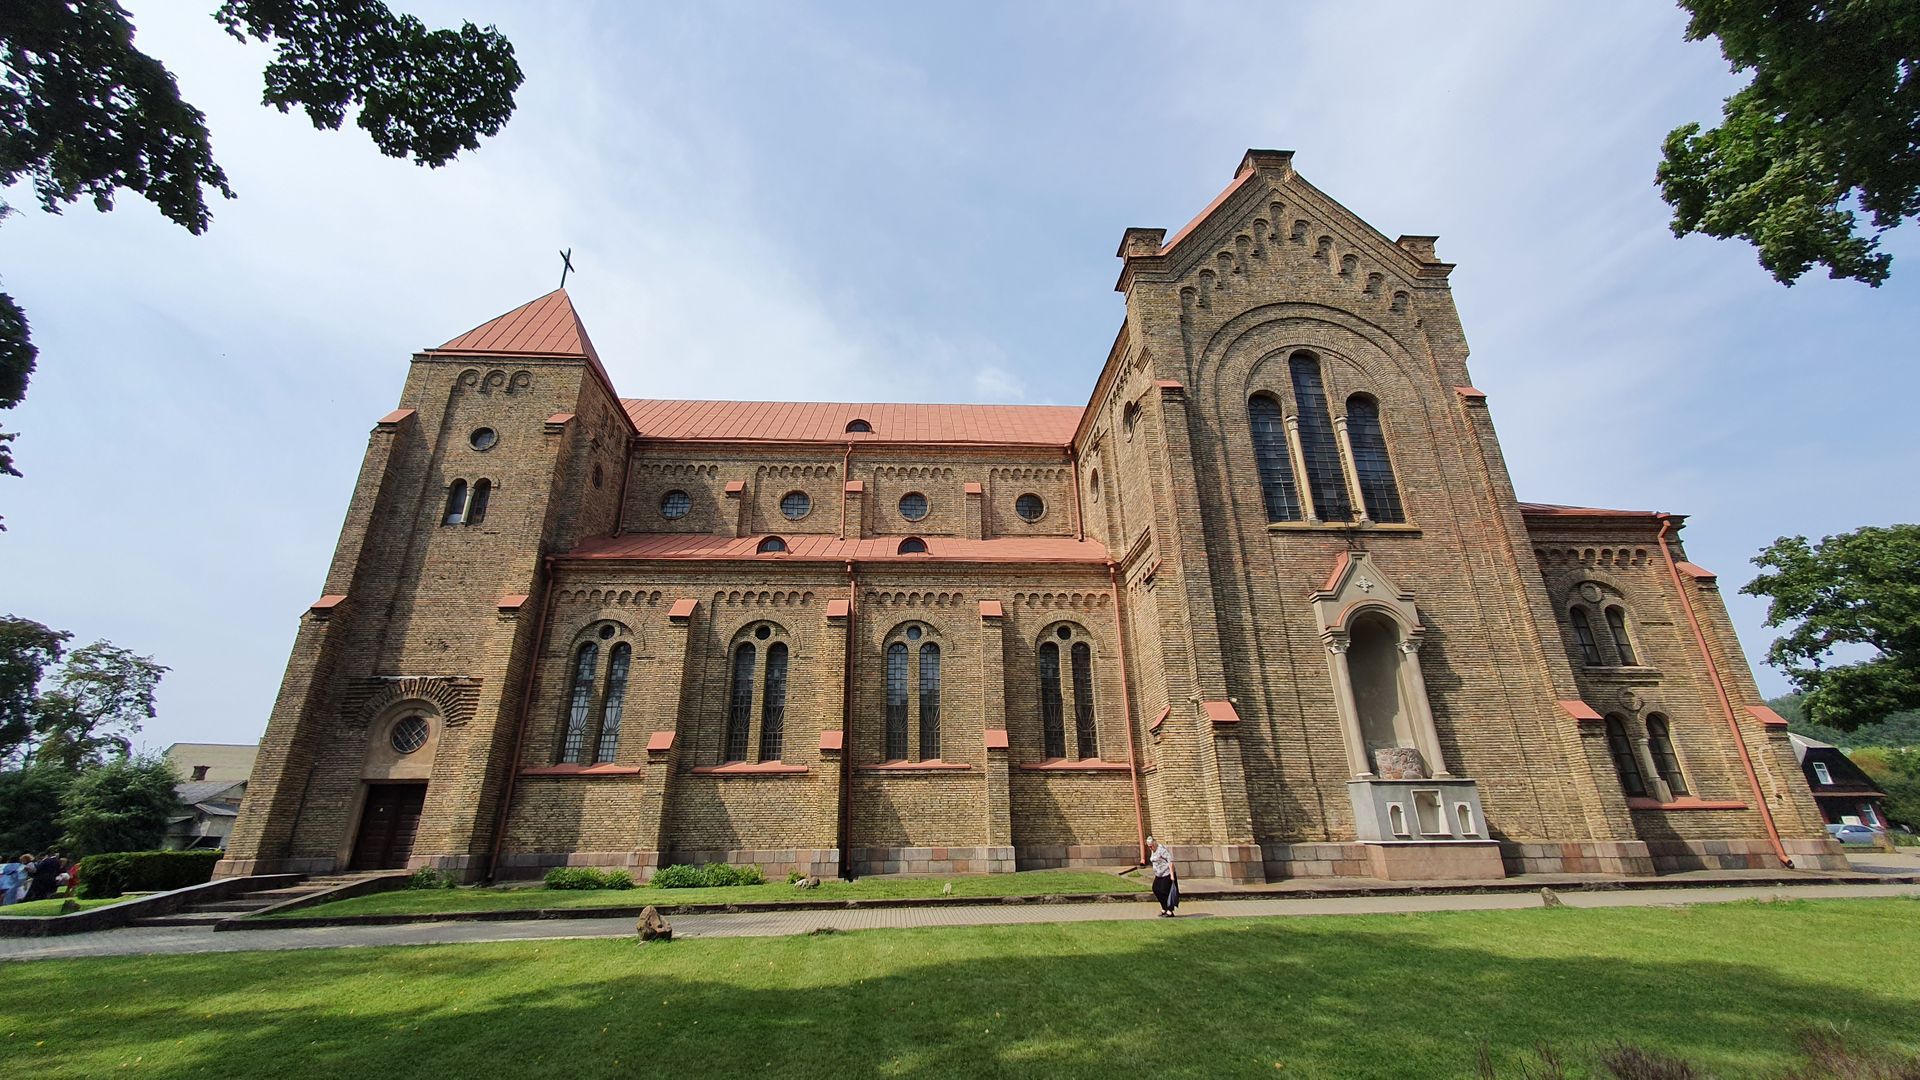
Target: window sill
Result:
[929, 765]
[1636, 802]
[750, 768]
[1399, 527]
[1620, 671]
[1082, 765]
[584, 771]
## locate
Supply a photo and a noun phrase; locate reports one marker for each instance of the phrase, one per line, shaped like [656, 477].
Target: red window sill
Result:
[1688, 803]
[1083, 765]
[750, 768]
[583, 770]
[929, 765]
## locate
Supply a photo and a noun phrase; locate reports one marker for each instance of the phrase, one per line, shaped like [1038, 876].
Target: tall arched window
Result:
[456, 502]
[897, 701]
[1370, 460]
[1660, 745]
[1052, 724]
[1583, 633]
[477, 506]
[929, 701]
[614, 704]
[1617, 625]
[1082, 656]
[1325, 478]
[773, 704]
[584, 662]
[1624, 762]
[1270, 455]
[740, 705]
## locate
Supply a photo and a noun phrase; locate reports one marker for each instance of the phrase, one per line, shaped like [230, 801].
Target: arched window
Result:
[772, 545]
[1617, 625]
[1270, 455]
[456, 502]
[1129, 417]
[929, 701]
[1624, 761]
[1325, 479]
[1052, 724]
[897, 701]
[773, 704]
[615, 702]
[1082, 656]
[913, 545]
[584, 662]
[1370, 460]
[1583, 633]
[477, 506]
[740, 705]
[1660, 745]
[855, 427]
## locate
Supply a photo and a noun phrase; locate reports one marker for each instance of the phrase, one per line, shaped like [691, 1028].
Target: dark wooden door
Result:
[387, 826]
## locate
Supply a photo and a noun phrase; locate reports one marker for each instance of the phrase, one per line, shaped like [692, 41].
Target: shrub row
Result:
[109, 875]
[709, 876]
[586, 877]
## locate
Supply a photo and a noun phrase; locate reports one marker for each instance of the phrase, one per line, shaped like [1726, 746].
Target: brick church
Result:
[1269, 595]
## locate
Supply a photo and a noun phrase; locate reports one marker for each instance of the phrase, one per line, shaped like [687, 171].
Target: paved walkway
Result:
[193, 939]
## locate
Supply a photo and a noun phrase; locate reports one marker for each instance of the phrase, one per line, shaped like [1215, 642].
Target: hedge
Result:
[109, 875]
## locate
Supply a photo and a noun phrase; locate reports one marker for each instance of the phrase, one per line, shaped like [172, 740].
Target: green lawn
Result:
[1724, 985]
[52, 907]
[1026, 883]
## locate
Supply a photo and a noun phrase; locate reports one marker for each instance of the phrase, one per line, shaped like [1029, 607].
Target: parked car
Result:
[1854, 834]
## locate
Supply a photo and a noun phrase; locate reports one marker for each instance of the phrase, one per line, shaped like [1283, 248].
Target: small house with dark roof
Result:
[1845, 794]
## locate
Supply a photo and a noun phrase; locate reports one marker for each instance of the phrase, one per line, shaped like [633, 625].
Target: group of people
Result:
[28, 878]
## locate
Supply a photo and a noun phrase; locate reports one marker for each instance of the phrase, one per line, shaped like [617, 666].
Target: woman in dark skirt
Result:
[1166, 883]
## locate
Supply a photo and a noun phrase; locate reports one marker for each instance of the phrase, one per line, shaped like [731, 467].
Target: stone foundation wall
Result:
[1065, 856]
[1627, 858]
[1673, 856]
[933, 860]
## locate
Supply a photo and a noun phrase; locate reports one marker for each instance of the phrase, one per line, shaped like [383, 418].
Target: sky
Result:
[873, 202]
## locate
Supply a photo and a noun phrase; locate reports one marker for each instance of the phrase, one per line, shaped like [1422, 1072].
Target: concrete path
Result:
[189, 939]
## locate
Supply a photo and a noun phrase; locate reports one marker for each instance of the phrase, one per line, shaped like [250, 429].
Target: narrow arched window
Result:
[1617, 626]
[1370, 460]
[740, 705]
[477, 506]
[1660, 745]
[929, 701]
[1083, 700]
[584, 662]
[773, 704]
[1052, 724]
[1277, 489]
[897, 701]
[615, 702]
[456, 502]
[1583, 633]
[1624, 761]
[1325, 479]
[772, 545]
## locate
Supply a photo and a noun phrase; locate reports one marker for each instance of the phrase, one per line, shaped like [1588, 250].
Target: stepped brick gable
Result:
[1268, 595]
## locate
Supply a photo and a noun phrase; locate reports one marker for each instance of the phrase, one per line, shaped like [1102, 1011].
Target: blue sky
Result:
[890, 202]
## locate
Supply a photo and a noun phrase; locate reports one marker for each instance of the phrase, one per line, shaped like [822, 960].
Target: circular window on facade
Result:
[763, 631]
[913, 633]
[913, 506]
[795, 505]
[607, 631]
[483, 438]
[1064, 632]
[410, 734]
[1029, 507]
[674, 505]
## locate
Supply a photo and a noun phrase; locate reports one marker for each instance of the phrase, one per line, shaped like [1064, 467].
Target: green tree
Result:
[30, 809]
[1855, 591]
[83, 113]
[27, 649]
[1831, 121]
[98, 702]
[122, 805]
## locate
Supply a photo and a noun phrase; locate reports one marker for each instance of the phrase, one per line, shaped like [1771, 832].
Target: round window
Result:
[1029, 507]
[913, 633]
[1064, 633]
[913, 506]
[772, 545]
[675, 505]
[410, 734]
[483, 438]
[763, 631]
[606, 631]
[795, 505]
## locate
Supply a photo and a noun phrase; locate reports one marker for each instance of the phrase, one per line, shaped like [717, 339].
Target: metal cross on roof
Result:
[566, 264]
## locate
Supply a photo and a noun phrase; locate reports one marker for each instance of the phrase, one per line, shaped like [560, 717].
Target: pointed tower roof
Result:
[545, 327]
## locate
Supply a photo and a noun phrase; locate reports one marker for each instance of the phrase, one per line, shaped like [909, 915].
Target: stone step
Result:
[228, 906]
[184, 918]
[274, 896]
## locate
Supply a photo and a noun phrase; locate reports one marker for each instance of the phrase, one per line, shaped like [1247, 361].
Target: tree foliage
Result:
[30, 809]
[27, 650]
[122, 805]
[1855, 591]
[96, 706]
[1830, 122]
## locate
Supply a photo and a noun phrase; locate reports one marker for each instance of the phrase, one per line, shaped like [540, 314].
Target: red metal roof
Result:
[1534, 509]
[820, 421]
[804, 547]
[545, 327]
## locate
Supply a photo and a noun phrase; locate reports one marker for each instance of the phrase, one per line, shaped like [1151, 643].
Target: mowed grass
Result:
[1025, 883]
[1726, 986]
[52, 906]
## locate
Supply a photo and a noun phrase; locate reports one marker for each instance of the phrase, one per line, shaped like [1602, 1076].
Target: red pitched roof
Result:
[545, 327]
[819, 421]
[802, 546]
[1533, 509]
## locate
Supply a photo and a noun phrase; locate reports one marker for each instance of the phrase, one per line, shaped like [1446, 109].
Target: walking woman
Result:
[1166, 882]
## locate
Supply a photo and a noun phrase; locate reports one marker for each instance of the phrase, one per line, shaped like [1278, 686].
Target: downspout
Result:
[626, 475]
[1079, 523]
[1720, 687]
[1126, 704]
[520, 727]
[846, 732]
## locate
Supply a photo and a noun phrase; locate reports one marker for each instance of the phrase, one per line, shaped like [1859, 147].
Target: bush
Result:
[426, 878]
[105, 876]
[586, 877]
[795, 875]
[709, 876]
[677, 877]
